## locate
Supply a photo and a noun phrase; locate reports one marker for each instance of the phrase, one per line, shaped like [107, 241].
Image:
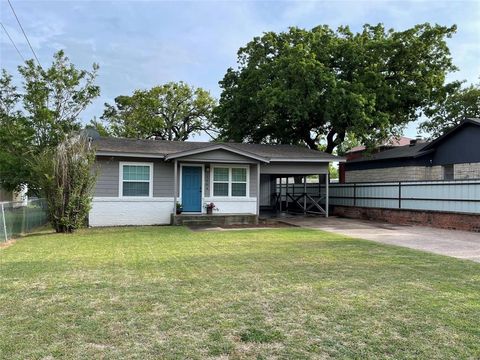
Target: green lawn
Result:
[169, 293]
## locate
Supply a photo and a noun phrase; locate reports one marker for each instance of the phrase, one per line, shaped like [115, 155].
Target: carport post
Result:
[174, 187]
[280, 192]
[286, 193]
[327, 180]
[258, 190]
[304, 194]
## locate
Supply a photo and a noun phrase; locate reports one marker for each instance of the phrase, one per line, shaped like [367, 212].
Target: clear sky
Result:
[139, 44]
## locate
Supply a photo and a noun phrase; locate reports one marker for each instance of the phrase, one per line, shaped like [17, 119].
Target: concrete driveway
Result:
[459, 244]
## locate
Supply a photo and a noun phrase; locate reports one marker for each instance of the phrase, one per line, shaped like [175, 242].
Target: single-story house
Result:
[358, 152]
[139, 182]
[13, 196]
[453, 156]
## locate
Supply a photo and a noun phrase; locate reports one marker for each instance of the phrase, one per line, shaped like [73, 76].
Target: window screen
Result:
[239, 182]
[136, 180]
[220, 181]
[229, 181]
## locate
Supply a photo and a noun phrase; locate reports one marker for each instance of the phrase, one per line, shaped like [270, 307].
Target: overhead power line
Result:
[24, 34]
[13, 43]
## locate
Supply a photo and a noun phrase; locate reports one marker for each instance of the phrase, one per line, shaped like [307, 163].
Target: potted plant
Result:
[210, 207]
[179, 208]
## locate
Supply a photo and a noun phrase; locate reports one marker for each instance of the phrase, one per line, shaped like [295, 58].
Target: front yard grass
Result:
[169, 293]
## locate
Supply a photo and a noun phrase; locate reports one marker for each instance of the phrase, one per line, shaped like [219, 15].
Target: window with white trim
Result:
[230, 181]
[136, 179]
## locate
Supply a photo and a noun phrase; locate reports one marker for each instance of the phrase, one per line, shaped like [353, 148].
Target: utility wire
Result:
[24, 34]
[13, 43]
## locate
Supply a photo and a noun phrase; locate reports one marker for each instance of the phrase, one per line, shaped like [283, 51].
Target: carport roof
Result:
[174, 149]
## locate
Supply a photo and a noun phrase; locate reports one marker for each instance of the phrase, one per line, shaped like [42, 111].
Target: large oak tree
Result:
[316, 86]
[172, 111]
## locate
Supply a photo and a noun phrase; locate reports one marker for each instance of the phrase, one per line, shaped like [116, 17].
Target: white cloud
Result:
[140, 44]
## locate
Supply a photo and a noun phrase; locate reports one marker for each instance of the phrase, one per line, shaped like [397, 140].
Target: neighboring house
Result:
[140, 181]
[7, 196]
[358, 152]
[453, 156]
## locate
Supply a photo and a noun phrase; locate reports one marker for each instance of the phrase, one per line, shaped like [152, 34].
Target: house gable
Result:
[214, 147]
[218, 155]
[461, 146]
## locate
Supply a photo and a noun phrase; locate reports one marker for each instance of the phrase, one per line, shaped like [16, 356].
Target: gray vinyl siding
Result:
[294, 168]
[253, 180]
[218, 156]
[108, 177]
[265, 190]
[207, 183]
[162, 179]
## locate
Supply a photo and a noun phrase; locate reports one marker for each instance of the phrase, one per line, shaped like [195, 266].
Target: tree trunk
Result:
[311, 143]
[330, 142]
[333, 141]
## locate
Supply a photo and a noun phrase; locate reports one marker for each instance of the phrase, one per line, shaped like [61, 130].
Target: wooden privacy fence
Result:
[461, 196]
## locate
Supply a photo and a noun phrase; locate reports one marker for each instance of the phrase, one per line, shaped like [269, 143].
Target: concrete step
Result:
[214, 220]
[196, 223]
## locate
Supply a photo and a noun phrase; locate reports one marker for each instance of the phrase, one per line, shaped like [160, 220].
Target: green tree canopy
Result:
[172, 111]
[316, 86]
[41, 114]
[458, 103]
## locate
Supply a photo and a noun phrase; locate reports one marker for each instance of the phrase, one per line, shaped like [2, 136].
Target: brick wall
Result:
[404, 173]
[467, 171]
[413, 173]
[437, 219]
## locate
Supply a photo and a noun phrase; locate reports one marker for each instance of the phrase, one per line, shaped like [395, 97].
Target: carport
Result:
[305, 193]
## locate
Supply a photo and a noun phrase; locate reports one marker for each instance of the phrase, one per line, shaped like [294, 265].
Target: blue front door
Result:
[192, 188]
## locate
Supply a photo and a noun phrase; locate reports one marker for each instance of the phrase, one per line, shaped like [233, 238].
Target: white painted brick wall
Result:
[116, 211]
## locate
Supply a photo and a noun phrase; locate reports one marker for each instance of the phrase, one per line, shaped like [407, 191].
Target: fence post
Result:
[399, 194]
[4, 223]
[24, 217]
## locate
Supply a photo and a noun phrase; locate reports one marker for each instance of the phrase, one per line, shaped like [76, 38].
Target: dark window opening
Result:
[448, 173]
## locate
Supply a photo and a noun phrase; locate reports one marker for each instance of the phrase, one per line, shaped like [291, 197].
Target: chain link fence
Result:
[21, 217]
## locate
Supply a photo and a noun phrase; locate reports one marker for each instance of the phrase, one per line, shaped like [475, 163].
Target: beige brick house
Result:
[453, 156]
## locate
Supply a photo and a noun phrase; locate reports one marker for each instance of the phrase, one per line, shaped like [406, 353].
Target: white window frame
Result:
[121, 164]
[230, 182]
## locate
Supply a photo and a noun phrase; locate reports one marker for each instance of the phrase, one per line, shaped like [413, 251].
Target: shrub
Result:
[66, 180]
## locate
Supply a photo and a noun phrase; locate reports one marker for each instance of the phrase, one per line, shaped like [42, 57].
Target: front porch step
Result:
[214, 220]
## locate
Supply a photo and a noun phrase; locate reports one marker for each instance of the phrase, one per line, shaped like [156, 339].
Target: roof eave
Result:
[321, 160]
[129, 154]
[423, 153]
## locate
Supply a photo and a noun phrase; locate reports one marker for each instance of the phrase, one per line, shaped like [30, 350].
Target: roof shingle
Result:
[164, 148]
